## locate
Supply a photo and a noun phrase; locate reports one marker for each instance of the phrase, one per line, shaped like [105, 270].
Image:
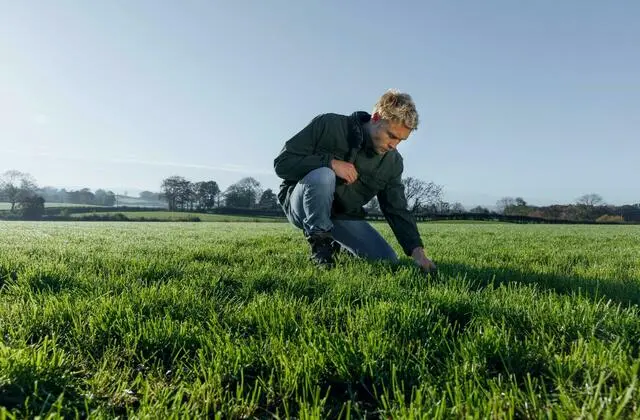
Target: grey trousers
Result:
[310, 211]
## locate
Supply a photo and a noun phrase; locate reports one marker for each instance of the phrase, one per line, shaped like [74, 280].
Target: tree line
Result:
[83, 196]
[180, 194]
[17, 187]
[248, 193]
[423, 197]
[588, 207]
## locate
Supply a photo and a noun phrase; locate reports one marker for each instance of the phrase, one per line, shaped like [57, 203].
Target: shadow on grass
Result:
[624, 291]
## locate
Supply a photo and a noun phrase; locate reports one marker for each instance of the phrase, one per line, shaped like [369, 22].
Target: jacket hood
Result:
[360, 136]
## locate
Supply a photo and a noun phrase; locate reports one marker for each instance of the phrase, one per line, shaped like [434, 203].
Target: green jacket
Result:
[334, 136]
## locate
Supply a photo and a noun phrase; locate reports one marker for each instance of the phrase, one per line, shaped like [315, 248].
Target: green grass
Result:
[465, 221]
[180, 216]
[175, 320]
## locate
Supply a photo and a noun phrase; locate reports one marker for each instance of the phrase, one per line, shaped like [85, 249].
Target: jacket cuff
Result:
[410, 246]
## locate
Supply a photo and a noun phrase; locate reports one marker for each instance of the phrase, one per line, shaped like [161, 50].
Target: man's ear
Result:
[375, 117]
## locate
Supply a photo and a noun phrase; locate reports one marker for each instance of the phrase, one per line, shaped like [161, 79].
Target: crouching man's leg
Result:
[310, 210]
[362, 240]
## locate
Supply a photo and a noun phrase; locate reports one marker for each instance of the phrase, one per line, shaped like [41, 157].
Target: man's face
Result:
[386, 135]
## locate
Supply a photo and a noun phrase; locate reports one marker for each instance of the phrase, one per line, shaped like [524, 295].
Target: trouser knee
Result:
[321, 177]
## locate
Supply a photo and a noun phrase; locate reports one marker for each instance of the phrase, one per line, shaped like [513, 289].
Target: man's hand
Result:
[423, 262]
[344, 170]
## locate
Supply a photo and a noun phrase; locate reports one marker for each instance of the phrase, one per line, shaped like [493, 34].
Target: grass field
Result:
[179, 216]
[175, 320]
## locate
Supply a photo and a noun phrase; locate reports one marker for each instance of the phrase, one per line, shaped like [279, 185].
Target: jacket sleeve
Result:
[299, 155]
[393, 204]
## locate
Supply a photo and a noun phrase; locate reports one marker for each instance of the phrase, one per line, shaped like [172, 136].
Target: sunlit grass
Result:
[212, 319]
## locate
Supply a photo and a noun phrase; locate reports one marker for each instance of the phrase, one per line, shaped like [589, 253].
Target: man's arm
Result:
[299, 156]
[393, 204]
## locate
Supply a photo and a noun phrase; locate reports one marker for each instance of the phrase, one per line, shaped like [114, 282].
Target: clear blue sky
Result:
[533, 99]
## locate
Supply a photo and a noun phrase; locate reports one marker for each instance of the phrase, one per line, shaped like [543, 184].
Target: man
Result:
[337, 164]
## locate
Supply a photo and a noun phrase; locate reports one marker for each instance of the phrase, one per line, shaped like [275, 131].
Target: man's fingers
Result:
[350, 175]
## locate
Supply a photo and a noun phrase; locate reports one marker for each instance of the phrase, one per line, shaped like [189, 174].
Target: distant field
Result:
[169, 216]
[7, 206]
[230, 320]
[177, 216]
[139, 202]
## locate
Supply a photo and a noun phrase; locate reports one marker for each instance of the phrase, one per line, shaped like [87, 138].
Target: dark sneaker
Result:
[337, 248]
[322, 249]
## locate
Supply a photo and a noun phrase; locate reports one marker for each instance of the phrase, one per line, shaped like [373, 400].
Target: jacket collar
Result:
[359, 136]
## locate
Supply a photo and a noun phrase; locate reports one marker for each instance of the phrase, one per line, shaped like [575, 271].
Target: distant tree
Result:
[189, 199]
[268, 200]
[51, 194]
[170, 190]
[83, 196]
[206, 193]
[480, 209]
[420, 194]
[517, 207]
[503, 203]
[16, 185]
[110, 199]
[73, 197]
[590, 200]
[536, 213]
[441, 207]
[586, 207]
[554, 211]
[457, 208]
[520, 202]
[31, 207]
[176, 191]
[99, 197]
[243, 193]
[105, 198]
[629, 212]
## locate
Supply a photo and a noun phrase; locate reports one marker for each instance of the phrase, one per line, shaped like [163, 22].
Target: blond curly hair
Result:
[396, 106]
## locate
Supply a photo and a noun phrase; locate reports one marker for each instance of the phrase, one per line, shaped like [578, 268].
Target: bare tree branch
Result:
[590, 200]
[420, 194]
